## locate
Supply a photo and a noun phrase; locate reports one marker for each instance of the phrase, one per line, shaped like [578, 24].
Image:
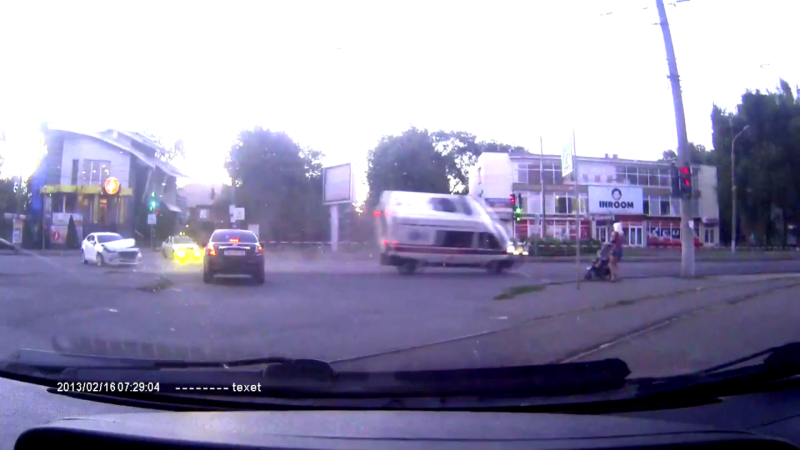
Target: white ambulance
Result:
[416, 229]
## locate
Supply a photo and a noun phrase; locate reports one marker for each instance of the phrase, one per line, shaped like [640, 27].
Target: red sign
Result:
[56, 236]
[111, 186]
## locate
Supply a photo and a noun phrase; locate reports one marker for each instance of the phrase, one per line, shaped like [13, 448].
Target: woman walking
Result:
[617, 240]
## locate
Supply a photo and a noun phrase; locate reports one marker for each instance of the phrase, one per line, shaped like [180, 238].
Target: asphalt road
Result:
[367, 316]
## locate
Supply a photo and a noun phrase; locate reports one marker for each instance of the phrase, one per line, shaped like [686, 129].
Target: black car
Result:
[233, 252]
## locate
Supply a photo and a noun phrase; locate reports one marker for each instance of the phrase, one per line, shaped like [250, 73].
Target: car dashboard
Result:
[36, 418]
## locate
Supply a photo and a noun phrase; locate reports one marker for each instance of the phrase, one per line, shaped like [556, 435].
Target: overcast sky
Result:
[338, 75]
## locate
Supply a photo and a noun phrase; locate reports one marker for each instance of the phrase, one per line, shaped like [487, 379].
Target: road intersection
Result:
[366, 316]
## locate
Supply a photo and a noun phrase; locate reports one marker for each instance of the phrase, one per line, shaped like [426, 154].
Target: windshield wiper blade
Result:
[44, 363]
[780, 363]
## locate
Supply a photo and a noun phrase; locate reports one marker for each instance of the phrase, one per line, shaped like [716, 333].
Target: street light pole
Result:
[733, 189]
[684, 158]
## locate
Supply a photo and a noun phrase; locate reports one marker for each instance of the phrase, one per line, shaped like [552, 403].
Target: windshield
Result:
[243, 237]
[389, 189]
[103, 238]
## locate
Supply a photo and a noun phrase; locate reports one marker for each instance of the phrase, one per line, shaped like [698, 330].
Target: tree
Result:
[72, 234]
[699, 155]
[421, 161]
[279, 184]
[768, 189]
[8, 198]
[409, 162]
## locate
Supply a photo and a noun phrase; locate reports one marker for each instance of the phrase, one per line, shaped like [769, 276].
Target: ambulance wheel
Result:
[495, 267]
[407, 268]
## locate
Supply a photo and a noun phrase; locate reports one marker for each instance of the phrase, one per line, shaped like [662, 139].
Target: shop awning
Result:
[72, 189]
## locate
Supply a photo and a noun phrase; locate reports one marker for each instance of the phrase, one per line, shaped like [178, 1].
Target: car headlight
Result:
[180, 253]
[510, 249]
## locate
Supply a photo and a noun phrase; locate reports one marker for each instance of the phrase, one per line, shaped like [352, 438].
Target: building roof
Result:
[197, 194]
[107, 138]
[607, 158]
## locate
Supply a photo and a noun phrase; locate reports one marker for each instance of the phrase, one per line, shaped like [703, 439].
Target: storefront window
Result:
[551, 171]
[643, 176]
[102, 215]
[95, 172]
[566, 203]
[665, 208]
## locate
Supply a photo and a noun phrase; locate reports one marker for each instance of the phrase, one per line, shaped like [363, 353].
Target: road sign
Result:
[337, 184]
[237, 214]
[567, 160]
[151, 219]
[56, 236]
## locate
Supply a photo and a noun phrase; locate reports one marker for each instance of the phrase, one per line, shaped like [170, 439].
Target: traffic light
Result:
[517, 203]
[675, 180]
[153, 202]
[685, 174]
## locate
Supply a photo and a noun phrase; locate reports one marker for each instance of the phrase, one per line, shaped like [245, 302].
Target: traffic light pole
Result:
[514, 218]
[684, 158]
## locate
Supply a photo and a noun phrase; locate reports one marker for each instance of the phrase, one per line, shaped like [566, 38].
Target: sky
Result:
[337, 75]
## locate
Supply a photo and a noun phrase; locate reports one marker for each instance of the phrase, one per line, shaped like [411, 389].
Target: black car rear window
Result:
[244, 237]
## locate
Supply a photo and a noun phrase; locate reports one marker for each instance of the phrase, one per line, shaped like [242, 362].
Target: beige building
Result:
[636, 193]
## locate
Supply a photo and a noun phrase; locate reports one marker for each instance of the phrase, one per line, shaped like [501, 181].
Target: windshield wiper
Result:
[781, 363]
[33, 363]
[286, 376]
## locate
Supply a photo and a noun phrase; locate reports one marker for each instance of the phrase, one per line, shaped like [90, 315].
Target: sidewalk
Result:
[674, 254]
[559, 323]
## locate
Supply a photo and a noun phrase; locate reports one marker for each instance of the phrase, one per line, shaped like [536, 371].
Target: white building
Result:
[636, 193]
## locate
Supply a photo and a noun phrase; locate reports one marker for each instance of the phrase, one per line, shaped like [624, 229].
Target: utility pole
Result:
[684, 158]
[577, 212]
[543, 228]
[233, 201]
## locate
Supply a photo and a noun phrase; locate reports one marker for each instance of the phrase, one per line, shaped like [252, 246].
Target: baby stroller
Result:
[599, 269]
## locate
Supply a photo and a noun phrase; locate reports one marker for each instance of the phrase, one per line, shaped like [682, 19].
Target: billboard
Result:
[615, 200]
[337, 184]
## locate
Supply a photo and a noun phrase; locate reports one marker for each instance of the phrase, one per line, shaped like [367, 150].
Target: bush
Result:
[72, 234]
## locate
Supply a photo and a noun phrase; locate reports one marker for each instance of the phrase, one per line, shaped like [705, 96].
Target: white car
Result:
[110, 249]
[182, 248]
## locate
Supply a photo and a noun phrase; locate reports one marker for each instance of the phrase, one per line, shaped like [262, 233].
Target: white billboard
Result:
[615, 200]
[337, 184]
[567, 160]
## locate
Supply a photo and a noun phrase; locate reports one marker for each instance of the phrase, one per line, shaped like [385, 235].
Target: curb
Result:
[655, 259]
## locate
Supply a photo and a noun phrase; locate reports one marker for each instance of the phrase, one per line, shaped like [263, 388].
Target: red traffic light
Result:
[685, 171]
[512, 199]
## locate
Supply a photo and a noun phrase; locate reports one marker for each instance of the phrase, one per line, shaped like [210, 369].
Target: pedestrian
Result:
[617, 240]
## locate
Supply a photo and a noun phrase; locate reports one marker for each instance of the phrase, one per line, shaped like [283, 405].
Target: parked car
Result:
[110, 249]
